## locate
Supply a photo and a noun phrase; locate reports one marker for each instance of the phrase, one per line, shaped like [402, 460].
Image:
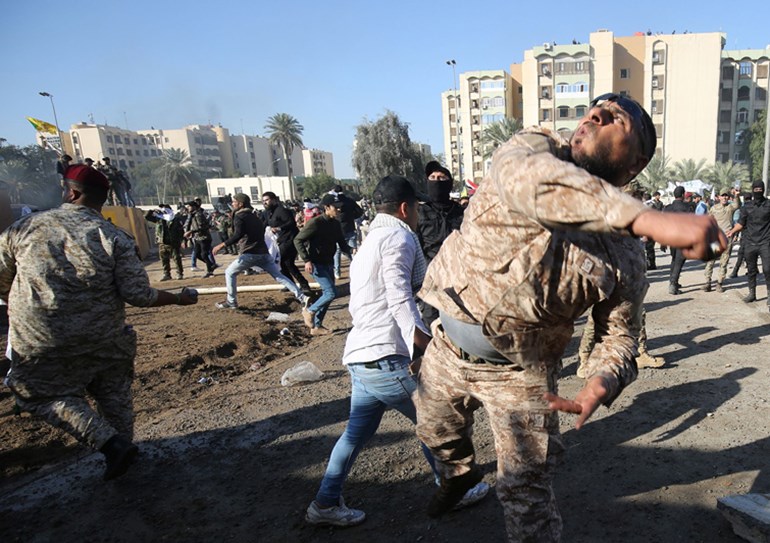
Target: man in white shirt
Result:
[387, 330]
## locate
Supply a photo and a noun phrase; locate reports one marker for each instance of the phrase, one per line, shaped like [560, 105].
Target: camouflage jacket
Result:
[542, 241]
[67, 274]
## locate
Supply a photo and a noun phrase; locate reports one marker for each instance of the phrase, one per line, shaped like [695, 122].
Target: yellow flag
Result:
[42, 126]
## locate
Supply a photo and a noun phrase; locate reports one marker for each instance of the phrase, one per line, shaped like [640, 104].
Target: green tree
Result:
[723, 175]
[498, 133]
[285, 131]
[30, 173]
[147, 179]
[383, 147]
[656, 175]
[756, 144]
[177, 169]
[317, 185]
[688, 169]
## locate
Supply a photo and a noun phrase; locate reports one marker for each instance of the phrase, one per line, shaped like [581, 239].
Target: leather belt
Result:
[372, 365]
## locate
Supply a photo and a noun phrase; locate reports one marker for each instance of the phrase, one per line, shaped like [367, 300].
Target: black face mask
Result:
[758, 196]
[439, 191]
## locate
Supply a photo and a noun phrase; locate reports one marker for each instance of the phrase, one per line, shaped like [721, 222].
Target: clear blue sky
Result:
[330, 64]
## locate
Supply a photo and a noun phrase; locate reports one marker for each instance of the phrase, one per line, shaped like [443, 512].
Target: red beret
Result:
[86, 175]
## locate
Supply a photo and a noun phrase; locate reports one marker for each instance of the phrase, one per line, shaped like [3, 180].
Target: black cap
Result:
[331, 200]
[679, 192]
[757, 185]
[434, 166]
[394, 189]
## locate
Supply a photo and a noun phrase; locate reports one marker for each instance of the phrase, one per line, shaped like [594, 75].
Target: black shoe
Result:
[119, 453]
[452, 491]
[673, 289]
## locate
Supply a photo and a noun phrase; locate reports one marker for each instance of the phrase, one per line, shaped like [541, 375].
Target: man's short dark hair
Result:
[656, 193]
[269, 194]
[337, 188]
[391, 192]
[679, 192]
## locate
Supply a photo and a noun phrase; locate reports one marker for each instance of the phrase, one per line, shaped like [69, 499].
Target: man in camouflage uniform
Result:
[723, 212]
[542, 241]
[169, 231]
[66, 275]
[114, 178]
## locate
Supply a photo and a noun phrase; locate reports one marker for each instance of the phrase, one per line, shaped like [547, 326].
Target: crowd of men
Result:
[453, 308]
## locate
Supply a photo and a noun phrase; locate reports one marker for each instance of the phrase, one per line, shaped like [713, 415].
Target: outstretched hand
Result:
[585, 403]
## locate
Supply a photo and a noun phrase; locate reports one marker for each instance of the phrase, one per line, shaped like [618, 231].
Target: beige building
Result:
[483, 97]
[701, 98]
[253, 187]
[315, 162]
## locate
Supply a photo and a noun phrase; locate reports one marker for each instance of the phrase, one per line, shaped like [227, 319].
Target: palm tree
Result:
[656, 175]
[177, 168]
[498, 133]
[688, 169]
[285, 130]
[723, 175]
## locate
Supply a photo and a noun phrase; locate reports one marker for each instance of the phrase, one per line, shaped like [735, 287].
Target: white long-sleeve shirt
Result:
[381, 299]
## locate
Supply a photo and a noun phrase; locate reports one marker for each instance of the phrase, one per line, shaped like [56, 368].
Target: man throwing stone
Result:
[545, 237]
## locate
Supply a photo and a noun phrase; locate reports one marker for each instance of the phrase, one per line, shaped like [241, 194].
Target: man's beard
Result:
[599, 164]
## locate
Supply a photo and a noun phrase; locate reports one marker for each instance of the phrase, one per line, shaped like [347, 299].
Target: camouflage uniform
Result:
[67, 274]
[539, 245]
[168, 236]
[724, 216]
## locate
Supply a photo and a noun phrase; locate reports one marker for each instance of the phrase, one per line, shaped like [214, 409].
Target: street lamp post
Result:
[55, 119]
[453, 64]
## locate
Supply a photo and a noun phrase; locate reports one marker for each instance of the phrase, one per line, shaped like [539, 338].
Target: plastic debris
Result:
[285, 331]
[274, 316]
[303, 372]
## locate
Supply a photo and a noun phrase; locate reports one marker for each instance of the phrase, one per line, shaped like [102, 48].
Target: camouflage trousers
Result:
[55, 389]
[588, 339]
[166, 253]
[724, 258]
[526, 432]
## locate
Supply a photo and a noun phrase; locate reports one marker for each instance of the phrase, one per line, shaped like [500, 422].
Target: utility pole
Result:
[766, 161]
[55, 120]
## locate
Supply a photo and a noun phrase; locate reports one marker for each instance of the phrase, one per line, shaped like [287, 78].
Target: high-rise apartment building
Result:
[482, 98]
[317, 162]
[701, 98]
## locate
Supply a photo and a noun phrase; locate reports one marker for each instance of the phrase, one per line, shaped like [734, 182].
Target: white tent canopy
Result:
[696, 185]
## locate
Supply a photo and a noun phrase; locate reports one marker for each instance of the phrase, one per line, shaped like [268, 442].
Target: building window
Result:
[657, 106]
[760, 94]
[580, 111]
[727, 95]
[120, 151]
[220, 191]
[723, 136]
[659, 130]
[744, 93]
[561, 67]
[485, 102]
[498, 101]
[545, 69]
[130, 163]
[657, 82]
[109, 138]
[119, 140]
[724, 116]
[762, 71]
[563, 112]
[255, 196]
[624, 93]
[136, 141]
[122, 164]
[521, 89]
[545, 114]
[624, 73]
[580, 66]
[746, 68]
[146, 152]
[657, 57]
[743, 115]
[111, 150]
[153, 152]
[238, 190]
[728, 72]
[129, 152]
[545, 92]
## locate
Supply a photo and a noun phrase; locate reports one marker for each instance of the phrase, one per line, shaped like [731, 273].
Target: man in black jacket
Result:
[347, 213]
[677, 258]
[754, 222]
[283, 225]
[249, 234]
[437, 219]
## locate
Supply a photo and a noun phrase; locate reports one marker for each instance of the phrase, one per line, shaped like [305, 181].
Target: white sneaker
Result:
[193, 268]
[337, 275]
[473, 496]
[339, 515]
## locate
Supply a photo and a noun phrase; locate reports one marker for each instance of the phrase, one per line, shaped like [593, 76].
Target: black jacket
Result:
[248, 233]
[318, 240]
[280, 217]
[679, 206]
[436, 222]
[348, 213]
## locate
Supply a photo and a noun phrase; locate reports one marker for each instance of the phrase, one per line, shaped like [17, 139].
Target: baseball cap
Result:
[394, 189]
[644, 126]
[331, 200]
[85, 175]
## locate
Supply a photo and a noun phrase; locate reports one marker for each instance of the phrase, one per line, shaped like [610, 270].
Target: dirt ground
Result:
[228, 454]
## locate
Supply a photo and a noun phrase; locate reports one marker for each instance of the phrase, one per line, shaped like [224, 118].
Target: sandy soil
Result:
[238, 457]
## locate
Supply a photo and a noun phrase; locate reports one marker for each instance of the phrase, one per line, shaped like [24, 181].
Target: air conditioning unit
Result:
[656, 57]
[547, 46]
[484, 107]
[654, 83]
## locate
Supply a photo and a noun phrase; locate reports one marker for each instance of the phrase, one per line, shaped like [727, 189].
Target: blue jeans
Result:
[248, 261]
[352, 240]
[374, 391]
[324, 274]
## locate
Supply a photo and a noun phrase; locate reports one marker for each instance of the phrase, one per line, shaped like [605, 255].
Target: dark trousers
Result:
[752, 253]
[289, 268]
[739, 257]
[677, 261]
[202, 252]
